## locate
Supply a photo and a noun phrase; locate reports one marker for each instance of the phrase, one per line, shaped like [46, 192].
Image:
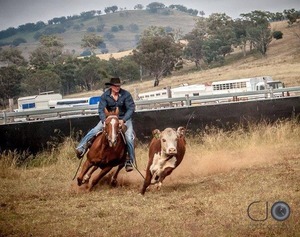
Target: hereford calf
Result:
[166, 152]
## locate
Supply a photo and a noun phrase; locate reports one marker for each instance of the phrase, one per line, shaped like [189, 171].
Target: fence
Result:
[143, 105]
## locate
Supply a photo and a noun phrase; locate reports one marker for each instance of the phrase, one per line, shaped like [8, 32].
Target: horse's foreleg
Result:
[113, 181]
[86, 166]
[99, 176]
[88, 175]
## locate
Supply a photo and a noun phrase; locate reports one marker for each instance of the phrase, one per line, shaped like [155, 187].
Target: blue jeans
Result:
[129, 136]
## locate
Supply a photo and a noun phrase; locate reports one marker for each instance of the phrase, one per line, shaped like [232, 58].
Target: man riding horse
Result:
[114, 97]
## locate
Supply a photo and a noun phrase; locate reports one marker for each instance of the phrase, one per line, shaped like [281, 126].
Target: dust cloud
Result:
[198, 164]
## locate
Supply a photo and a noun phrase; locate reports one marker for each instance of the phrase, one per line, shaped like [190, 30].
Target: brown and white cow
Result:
[166, 151]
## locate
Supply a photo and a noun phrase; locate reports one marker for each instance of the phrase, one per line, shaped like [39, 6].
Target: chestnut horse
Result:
[107, 151]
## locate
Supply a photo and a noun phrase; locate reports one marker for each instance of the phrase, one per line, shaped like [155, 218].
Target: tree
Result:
[91, 42]
[277, 35]
[194, 48]
[114, 29]
[220, 30]
[91, 29]
[278, 16]
[178, 8]
[202, 13]
[10, 83]
[259, 31]
[133, 27]
[114, 8]
[240, 27]
[192, 12]
[154, 7]
[49, 52]
[100, 27]
[41, 80]
[109, 36]
[111, 9]
[211, 50]
[138, 7]
[211, 39]
[91, 73]
[67, 74]
[88, 15]
[157, 52]
[126, 68]
[261, 38]
[196, 38]
[107, 10]
[292, 15]
[12, 56]
[18, 41]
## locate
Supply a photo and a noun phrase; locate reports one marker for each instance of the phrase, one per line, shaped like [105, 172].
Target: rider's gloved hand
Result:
[121, 123]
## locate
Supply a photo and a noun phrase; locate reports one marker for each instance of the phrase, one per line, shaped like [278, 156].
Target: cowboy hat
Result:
[115, 81]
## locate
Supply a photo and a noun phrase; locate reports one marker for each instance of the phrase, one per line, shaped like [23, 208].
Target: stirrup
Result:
[80, 154]
[129, 166]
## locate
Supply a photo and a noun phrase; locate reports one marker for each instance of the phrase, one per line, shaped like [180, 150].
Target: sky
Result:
[18, 12]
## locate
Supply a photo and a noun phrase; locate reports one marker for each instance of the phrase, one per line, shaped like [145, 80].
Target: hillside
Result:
[282, 62]
[125, 39]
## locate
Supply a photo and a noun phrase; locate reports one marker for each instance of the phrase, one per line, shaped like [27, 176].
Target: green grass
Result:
[207, 195]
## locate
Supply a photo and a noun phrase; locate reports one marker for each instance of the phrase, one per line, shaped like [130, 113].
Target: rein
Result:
[186, 126]
[136, 168]
[78, 168]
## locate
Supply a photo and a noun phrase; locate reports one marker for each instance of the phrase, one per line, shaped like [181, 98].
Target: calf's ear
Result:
[156, 133]
[181, 131]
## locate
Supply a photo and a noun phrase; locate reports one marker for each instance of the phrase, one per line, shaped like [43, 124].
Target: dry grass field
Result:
[207, 195]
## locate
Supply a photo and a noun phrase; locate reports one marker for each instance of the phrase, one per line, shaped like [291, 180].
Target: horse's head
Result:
[112, 127]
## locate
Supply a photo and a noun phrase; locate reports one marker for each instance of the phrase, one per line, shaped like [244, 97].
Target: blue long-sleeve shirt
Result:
[125, 103]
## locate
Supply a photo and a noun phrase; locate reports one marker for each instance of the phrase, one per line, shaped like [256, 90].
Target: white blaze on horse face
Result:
[113, 131]
[169, 141]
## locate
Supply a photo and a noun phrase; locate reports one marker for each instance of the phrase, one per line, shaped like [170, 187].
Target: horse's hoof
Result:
[113, 182]
[90, 188]
[79, 181]
[86, 179]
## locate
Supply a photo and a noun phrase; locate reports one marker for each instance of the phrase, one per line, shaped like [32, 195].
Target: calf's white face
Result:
[168, 140]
